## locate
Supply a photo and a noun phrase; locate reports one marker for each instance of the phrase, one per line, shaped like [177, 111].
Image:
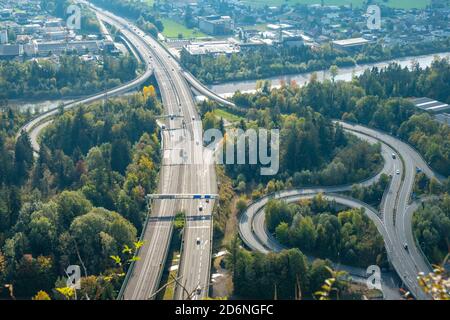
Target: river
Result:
[36, 106]
[227, 89]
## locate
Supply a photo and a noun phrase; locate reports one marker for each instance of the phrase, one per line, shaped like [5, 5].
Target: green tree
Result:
[23, 157]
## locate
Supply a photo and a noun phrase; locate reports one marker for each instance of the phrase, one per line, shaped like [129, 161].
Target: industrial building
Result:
[35, 48]
[431, 105]
[443, 118]
[212, 48]
[10, 51]
[352, 43]
[216, 25]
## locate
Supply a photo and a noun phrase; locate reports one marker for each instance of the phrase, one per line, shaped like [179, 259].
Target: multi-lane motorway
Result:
[193, 172]
[185, 170]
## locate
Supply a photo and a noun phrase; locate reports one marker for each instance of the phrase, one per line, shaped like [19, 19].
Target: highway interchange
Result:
[393, 221]
[192, 172]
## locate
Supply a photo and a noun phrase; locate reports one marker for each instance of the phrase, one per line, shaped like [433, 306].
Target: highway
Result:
[393, 222]
[169, 177]
[406, 261]
[202, 89]
[187, 168]
[192, 173]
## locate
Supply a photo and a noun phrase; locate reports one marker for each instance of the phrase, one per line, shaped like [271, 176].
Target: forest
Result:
[39, 79]
[284, 275]
[378, 98]
[431, 225]
[319, 228]
[81, 201]
[313, 151]
[267, 61]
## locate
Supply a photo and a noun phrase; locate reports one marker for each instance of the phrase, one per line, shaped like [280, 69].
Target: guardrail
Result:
[131, 267]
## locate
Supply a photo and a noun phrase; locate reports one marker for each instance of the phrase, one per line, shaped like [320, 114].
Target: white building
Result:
[212, 48]
[216, 25]
[3, 36]
[31, 48]
[351, 43]
[431, 105]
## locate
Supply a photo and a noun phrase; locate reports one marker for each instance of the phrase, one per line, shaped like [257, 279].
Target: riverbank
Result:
[228, 89]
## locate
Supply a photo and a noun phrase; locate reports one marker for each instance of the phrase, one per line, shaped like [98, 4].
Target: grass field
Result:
[220, 113]
[404, 4]
[172, 29]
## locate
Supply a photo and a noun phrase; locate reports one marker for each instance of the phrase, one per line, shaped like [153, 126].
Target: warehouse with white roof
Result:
[431, 105]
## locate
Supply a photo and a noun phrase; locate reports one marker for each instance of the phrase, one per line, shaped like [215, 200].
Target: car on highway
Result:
[198, 290]
[405, 246]
[198, 241]
[394, 156]
[193, 117]
[397, 172]
[163, 127]
[200, 207]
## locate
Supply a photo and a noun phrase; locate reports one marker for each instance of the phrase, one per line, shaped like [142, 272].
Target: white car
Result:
[193, 117]
[200, 207]
[397, 172]
[198, 241]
